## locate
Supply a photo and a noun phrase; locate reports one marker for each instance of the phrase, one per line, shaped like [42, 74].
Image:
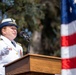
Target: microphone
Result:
[25, 35]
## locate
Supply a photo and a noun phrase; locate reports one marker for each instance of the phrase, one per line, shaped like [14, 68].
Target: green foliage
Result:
[38, 15]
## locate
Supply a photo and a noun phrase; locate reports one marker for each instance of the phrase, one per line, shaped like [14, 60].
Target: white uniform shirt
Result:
[8, 52]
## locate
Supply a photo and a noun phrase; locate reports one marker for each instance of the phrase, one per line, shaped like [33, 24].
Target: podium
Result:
[34, 64]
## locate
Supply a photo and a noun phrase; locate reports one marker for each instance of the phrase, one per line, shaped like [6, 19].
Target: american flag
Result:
[68, 37]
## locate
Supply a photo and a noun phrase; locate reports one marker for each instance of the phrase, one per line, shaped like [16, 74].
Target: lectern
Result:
[34, 64]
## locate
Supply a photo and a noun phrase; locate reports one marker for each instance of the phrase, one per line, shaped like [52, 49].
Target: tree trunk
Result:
[35, 46]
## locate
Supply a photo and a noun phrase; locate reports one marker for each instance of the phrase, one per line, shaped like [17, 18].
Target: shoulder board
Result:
[1, 39]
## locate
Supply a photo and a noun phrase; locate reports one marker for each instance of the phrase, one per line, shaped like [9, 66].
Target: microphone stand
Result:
[27, 38]
[28, 49]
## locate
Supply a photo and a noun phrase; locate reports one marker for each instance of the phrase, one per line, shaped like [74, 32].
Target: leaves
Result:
[41, 16]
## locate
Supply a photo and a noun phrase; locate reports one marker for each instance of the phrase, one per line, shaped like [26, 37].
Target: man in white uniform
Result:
[9, 49]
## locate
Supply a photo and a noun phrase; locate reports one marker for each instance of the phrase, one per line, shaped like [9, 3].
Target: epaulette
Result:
[1, 39]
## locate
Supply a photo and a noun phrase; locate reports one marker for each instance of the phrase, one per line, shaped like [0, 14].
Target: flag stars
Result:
[70, 9]
[74, 1]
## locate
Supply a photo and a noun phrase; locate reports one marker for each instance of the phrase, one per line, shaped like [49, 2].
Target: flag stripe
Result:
[68, 72]
[68, 40]
[68, 52]
[68, 29]
[67, 62]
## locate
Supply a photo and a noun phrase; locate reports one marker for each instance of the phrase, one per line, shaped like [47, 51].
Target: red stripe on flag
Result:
[68, 40]
[69, 63]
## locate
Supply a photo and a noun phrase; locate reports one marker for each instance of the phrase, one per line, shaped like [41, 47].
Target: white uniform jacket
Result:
[8, 52]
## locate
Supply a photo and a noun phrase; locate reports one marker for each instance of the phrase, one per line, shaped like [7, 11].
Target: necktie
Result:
[13, 44]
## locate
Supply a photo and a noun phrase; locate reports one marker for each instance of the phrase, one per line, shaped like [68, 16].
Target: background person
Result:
[9, 49]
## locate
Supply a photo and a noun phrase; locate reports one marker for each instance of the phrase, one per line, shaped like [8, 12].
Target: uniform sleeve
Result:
[20, 49]
[21, 52]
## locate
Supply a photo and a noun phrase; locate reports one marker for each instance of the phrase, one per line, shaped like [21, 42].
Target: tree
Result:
[42, 18]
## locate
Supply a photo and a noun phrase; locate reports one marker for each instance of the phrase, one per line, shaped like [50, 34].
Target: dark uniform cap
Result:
[8, 22]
